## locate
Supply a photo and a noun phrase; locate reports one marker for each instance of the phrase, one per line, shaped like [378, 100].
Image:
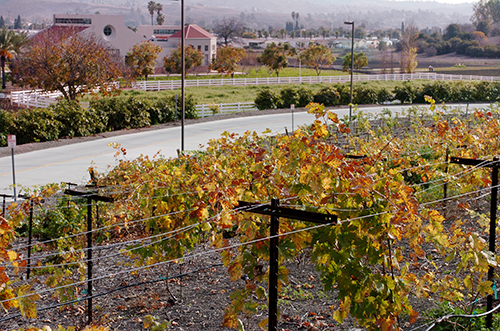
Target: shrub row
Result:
[407, 92]
[69, 119]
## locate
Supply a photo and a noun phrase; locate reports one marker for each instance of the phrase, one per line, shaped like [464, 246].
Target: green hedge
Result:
[69, 119]
[406, 92]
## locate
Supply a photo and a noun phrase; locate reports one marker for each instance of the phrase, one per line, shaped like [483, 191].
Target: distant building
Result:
[112, 29]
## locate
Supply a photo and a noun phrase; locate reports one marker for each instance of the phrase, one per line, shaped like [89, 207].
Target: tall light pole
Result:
[352, 62]
[183, 74]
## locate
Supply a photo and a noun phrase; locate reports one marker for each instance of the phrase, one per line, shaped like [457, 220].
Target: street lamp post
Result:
[352, 62]
[183, 75]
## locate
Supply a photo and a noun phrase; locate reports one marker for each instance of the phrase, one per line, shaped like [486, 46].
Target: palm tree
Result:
[152, 9]
[10, 45]
[160, 18]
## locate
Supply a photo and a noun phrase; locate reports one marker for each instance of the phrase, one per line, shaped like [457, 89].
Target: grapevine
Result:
[374, 260]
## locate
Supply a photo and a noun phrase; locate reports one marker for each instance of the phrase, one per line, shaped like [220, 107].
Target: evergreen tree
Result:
[2, 22]
[17, 22]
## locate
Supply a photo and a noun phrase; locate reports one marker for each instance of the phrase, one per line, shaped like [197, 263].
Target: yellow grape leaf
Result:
[230, 320]
[26, 302]
[413, 316]
[226, 221]
[8, 294]
[339, 316]
[484, 288]
[12, 255]
[333, 117]
[468, 282]
[267, 131]
[263, 324]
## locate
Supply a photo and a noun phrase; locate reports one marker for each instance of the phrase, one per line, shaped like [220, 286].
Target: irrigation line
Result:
[168, 233]
[171, 233]
[454, 176]
[102, 228]
[459, 196]
[195, 255]
[446, 317]
[162, 279]
[187, 228]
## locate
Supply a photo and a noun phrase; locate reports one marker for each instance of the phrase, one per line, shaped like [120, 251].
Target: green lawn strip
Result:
[260, 72]
[234, 94]
[474, 71]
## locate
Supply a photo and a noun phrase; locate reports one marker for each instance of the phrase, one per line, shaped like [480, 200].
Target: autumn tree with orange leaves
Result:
[227, 60]
[68, 62]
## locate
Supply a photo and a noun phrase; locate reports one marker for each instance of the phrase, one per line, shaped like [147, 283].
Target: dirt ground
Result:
[193, 299]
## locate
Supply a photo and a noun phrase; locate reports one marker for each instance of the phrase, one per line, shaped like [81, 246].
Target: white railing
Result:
[221, 108]
[40, 99]
[37, 98]
[34, 98]
[160, 85]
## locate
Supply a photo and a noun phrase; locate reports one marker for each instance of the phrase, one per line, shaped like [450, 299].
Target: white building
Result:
[112, 29]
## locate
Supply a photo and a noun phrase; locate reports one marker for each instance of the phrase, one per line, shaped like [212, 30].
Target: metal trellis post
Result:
[275, 211]
[90, 197]
[493, 218]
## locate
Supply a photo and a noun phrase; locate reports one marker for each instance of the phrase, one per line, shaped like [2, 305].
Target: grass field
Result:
[233, 94]
[256, 72]
[449, 64]
[475, 71]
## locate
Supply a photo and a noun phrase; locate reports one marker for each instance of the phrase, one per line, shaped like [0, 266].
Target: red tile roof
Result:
[193, 31]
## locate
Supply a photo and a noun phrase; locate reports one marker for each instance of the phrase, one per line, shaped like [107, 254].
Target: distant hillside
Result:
[258, 14]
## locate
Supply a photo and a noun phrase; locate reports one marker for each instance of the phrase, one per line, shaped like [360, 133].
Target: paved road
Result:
[69, 163]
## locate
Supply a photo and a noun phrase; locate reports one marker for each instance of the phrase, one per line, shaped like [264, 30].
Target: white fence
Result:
[221, 108]
[37, 98]
[40, 99]
[34, 98]
[160, 85]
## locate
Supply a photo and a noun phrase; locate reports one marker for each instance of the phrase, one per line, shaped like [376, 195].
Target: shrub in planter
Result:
[363, 95]
[6, 121]
[305, 97]
[289, 96]
[34, 125]
[328, 96]
[266, 99]
[162, 111]
[190, 107]
[482, 91]
[463, 91]
[494, 91]
[121, 113]
[405, 92]
[139, 112]
[344, 92]
[439, 91]
[384, 95]
[487, 91]
[77, 121]
[107, 110]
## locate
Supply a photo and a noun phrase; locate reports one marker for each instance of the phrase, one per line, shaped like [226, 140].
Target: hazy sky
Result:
[448, 1]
